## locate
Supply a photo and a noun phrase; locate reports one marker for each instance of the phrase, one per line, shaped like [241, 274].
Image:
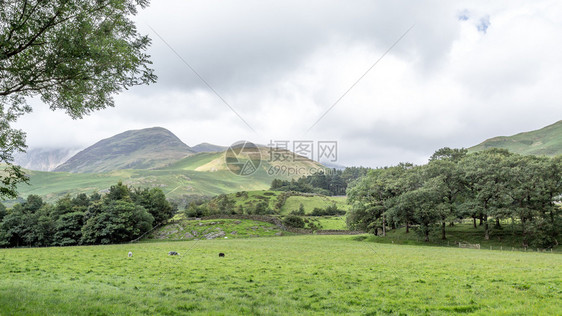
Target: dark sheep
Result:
[173, 253]
[221, 254]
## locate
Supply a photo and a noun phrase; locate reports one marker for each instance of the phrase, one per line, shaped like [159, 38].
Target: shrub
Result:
[294, 221]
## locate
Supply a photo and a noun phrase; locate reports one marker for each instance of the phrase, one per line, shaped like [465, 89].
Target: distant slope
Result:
[213, 162]
[43, 159]
[546, 141]
[207, 148]
[198, 174]
[137, 149]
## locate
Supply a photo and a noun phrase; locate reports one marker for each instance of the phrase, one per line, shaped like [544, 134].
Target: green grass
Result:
[503, 238]
[255, 197]
[545, 141]
[311, 202]
[198, 229]
[329, 222]
[282, 275]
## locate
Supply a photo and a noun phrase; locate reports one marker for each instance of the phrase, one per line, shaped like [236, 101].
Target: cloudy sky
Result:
[466, 71]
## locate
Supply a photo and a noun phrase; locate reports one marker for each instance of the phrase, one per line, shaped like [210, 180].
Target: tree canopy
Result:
[491, 186]
[73, 55]
[121, 215]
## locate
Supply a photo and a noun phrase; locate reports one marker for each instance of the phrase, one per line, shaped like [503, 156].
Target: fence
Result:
[467, 245]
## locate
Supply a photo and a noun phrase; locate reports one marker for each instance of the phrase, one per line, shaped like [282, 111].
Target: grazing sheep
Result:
[130, 254]
[221, 254]
[173, 253]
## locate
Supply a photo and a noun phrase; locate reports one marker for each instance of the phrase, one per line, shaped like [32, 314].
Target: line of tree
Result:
[332, 183]
[491, 187]
[121, 215]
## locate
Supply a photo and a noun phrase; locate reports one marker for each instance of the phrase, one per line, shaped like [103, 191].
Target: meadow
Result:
[287, 275]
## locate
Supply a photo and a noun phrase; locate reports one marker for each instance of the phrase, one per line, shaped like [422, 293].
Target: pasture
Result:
[278, 275]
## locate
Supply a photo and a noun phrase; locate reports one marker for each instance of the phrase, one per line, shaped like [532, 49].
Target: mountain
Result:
[43, 159]
[208, 148]
[148, 148]
[195, 175]
[546, 141]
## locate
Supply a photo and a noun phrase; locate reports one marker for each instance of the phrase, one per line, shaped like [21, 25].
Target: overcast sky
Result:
[465, 72]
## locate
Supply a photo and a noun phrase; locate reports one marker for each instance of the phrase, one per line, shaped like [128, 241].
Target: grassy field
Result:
[278, 275]
[215, 228]
[328, 222]
[311, 202]
[292, 203]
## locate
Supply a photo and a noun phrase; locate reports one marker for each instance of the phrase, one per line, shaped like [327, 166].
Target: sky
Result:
[402, 78]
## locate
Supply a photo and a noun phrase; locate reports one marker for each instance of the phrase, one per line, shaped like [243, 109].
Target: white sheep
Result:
[130, 254]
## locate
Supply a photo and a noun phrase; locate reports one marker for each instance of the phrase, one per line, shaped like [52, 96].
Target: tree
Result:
[154, 201]
[68, 229]
[444, 165]
[74, 55]
[428, 207]
[3, 212]
[119, 192]
[371, 196]
[115, 221]
[27, 224]
[486, 178]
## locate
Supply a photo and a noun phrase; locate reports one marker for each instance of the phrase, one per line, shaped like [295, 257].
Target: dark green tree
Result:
[154, 201]
[115, 221]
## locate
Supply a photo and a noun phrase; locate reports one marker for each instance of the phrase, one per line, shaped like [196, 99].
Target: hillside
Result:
[148, 148]
[198, 174]
[546, 141]
[216, 228]
[207, 148]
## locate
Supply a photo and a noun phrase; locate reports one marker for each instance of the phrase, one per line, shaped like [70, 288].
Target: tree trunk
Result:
[407, 227]
[443, 235]
[474, 221]
[481, 220]
[384, 226]
[486, 229]
[426, 236]
[523, 225]
[498, 225]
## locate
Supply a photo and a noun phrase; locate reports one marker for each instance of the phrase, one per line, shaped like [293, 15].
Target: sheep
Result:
[130, 254]
[173, 253]
[221, 254]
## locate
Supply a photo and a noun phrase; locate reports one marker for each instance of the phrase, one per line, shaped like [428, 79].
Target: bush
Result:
[294, 221]
[331, 210]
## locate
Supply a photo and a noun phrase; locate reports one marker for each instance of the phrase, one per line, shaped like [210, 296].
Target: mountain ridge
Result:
[148, 148]
[546, 141]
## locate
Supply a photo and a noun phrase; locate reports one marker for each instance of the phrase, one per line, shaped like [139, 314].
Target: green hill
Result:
[198, 174]
[546, 141]
[148, 148]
